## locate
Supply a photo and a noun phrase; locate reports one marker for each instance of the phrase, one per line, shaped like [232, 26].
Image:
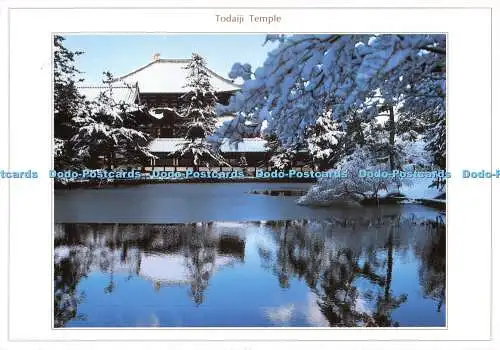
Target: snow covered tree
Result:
[351, 188]
[281, 158]
[380, 138]
[68, 103]
[86, 130]
[198, 112]
[424, 97]
[307, 74]
[325, 142]
[198, 109]
[358, 77]
[107, 130]
[239, 70]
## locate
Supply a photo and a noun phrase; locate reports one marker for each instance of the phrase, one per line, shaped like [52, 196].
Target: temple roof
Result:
[169, 76]
[121, 92]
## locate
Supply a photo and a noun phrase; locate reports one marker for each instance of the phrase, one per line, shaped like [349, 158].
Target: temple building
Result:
[159, 86]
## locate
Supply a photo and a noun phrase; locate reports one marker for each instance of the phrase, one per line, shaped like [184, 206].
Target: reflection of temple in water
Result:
[160, 253]
[186, 254]
[348, 264]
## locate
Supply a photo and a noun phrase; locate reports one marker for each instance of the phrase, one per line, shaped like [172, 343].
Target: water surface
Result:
[171, 255]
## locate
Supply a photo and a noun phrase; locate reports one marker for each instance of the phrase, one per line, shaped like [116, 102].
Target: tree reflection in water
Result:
[334, 257]
[84, 248]
[348, 263]
[433, 268]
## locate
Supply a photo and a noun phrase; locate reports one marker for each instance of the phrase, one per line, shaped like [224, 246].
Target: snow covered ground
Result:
[419, 189]
[321, 195]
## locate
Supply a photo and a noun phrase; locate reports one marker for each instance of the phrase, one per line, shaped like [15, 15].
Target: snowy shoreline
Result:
[92, 184]
[418, 191]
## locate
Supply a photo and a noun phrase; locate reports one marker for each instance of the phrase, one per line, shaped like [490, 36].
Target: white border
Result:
[30, 76]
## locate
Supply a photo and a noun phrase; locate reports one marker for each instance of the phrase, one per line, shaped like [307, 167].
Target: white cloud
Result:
[281, 314]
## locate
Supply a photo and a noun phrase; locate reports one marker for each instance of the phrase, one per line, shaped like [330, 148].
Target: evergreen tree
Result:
[198, 112]
[325, 142]
[86, 130]
[281, 158]
[68, 103]
[107, 130]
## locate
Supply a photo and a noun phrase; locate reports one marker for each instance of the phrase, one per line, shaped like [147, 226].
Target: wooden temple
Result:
[159, 87]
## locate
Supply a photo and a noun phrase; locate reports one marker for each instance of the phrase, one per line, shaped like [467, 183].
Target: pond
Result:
[216, 255]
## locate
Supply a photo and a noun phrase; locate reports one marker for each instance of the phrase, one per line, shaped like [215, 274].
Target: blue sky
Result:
[121, 54]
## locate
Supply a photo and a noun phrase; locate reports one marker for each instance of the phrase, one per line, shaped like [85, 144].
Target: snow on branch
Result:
[307, 74]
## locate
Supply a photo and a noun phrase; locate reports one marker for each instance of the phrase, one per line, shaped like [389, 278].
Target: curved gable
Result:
[169, 76]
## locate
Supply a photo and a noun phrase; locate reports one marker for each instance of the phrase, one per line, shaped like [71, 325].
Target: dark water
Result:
[180, 203]
[377, 269]
[217, 255]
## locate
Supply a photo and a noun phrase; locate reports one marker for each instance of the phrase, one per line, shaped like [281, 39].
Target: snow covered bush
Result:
[350, 188]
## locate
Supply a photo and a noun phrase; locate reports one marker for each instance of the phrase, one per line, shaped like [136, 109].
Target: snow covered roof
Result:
[172, 269]
[248, 145]
[169, 76]
[121, 92]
